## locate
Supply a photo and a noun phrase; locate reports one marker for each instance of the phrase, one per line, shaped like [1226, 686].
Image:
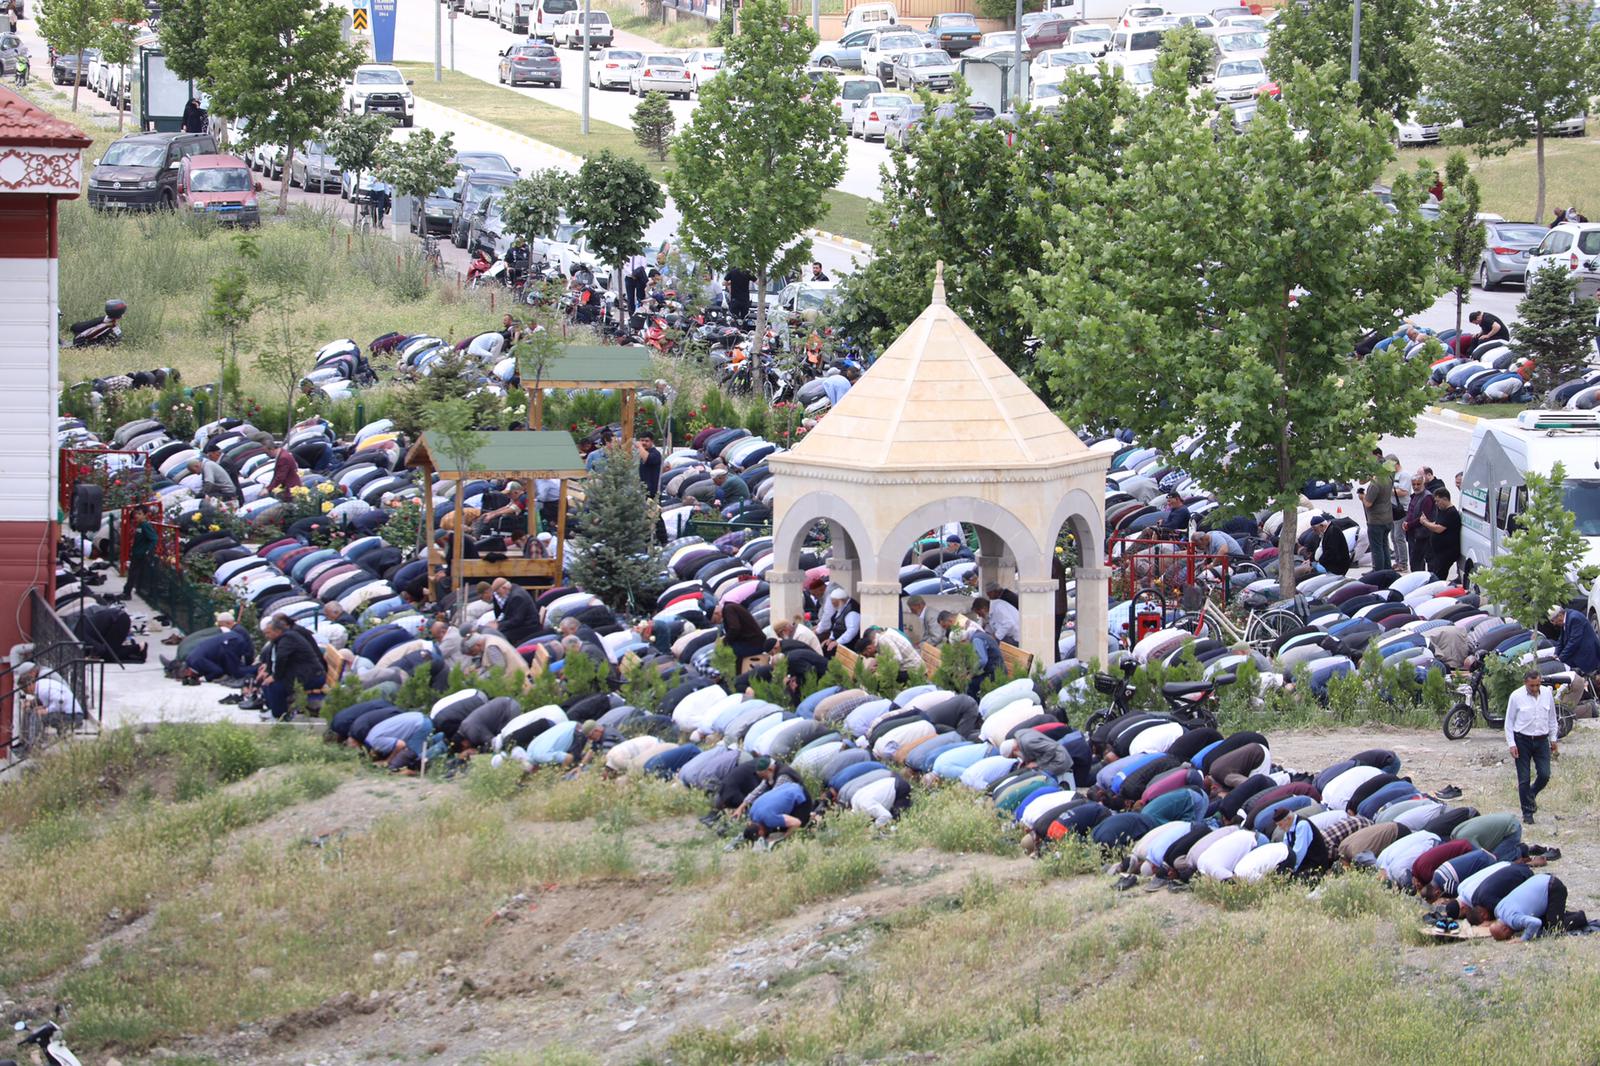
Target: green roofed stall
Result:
[592, 367]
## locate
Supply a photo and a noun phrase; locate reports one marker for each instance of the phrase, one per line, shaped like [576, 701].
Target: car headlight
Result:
[149, 183]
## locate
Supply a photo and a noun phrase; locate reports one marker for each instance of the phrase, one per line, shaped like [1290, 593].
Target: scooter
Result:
[106, 330]
[47, 1039]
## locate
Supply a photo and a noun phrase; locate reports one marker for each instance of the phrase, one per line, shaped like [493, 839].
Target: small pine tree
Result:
[416, 693]
[773, 689]
[581, 675]
[1556, 330]
[724, 663]
[1535, 572]
[958, 662]
[230, 309]
[643, 687]
[614, 555]
[653, 125]
[541, 690]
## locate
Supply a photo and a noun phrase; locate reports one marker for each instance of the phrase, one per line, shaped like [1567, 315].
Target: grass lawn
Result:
[1487, 410]
[688, 32]
[1509, 184]
[560, 128]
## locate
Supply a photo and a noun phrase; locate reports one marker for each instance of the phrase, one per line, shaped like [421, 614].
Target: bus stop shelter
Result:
[627, 370]
[524, 456]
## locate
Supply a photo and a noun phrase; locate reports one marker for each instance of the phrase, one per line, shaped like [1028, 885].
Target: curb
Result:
[464, 118]
[1454, 416]
[843, 242]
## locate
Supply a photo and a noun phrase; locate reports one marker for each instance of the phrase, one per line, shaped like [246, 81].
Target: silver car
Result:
[873, 115]
[930, 68]
[1505, 252]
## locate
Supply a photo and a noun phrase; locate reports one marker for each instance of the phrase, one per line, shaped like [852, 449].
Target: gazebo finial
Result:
[938, 283]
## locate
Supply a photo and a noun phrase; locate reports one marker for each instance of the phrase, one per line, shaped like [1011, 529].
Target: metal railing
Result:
[58, 654]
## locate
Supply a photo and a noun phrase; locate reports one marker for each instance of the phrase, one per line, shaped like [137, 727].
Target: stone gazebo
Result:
[940, 430]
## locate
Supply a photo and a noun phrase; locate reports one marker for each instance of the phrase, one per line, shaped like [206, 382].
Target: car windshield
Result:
[135, 155]
[1043, 90]
[957, 22]
[567, 233]
[1141, 74]
[1248, 23]
[379, 77]
[665, 61]
[314, 148]
[926, 59]
[476, 191]
[1070, 59]
[1092, 33]
[811, 299]
[858, 89]
[887, 43]
[1144, 41]
[1239, 68]
[890, 100]
[1519, 234]
[484, 161]
[220, 179]
[1582, 498]
[625, 57]
[1242, 42]
[999, 40]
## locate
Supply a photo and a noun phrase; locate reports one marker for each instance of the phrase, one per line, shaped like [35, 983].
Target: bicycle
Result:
[431, 256]
[1261, 629]
[1474, 704]
[369, 216]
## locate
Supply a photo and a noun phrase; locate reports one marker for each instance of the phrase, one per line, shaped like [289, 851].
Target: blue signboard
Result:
[383, 31]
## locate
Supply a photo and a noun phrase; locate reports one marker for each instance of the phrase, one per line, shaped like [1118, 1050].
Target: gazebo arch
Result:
[939, 429]
[789, 531]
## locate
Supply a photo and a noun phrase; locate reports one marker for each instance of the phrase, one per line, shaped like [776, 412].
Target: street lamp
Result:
[1355, 43]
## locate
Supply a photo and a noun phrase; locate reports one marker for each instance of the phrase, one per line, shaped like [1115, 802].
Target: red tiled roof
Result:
[22, 123]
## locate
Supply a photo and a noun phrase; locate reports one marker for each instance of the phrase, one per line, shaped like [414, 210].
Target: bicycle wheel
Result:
[1095, 721]
[1458, 721]
[1564, 722]
[1208, 627]
[1264, 630]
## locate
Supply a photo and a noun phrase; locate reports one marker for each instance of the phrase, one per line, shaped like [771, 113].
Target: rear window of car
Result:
[625, 57]
[1589, 242]
[1091, 33]
[926, 59]
[859, 89]
[1520, 234]
[535, 51]
[1144, 41]
[957, 22]
[666, 61]
[1240, 67]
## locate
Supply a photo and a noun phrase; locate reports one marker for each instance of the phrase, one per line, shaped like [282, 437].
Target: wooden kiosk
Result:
[626, 370]
[511, 455]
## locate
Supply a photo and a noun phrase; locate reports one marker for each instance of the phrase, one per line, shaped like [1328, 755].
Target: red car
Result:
[1041, 32]
[220, 187]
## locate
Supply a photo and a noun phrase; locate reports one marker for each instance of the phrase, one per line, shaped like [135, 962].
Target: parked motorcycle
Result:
[47, 1038]
[106, 330]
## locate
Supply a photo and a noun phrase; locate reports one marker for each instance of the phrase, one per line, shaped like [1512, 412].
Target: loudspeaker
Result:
[87, 503]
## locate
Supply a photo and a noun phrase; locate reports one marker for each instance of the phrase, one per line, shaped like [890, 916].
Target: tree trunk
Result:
[759, 341]
[283, 187]
[121, 95]
[1461, 298]
[77, 80]
[1538, 155]
[622, 293]
[1288, 535]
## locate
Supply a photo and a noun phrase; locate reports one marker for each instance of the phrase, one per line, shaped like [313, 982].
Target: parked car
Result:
[1138, 44]
[568, 30]
[479, 185]
[852, 91]
[220, 187]
[117, 86]
[1204, 23]
[1134, 14]
[567, 248]
[879, 55]
[1096, 39]
[140, 172]
[704, 64]
[489, 162]
[798, 297]
[900, 127]
[96, 75]
[1053, 66]
[872, 16]
[431, 214]
[359, 189]
[663, 74]
[1569, 244]
[1506, 248]
[314, 165]
[928, 68]
[999, 39]
[613, 68]
[955, 33]
[1043, 32]
[846, 51]
[486, 232]
[380, 89]
[267, 158]
[523, 64]
[1045, 95]
[478, 9]
[1241, 44]
[872, 116]
[64, 70]
[1140, 75]
[1239, 79]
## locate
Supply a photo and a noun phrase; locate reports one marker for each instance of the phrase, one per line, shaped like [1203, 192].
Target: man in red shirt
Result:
[285, 472]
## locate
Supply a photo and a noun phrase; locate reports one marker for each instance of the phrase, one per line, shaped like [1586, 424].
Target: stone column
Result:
[786, 588]
[880, 604]
[989, 572]
[1039, 635]
[844, 572]
[1093, 589]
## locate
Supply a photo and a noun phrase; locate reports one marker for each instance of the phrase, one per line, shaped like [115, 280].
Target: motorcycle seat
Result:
[1181, 689]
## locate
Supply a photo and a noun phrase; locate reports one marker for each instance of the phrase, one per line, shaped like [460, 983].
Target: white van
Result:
[543, 14]
[876, 16]
[1494, 492]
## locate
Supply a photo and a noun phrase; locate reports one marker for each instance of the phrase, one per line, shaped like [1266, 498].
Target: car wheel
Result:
[556, 85]
[459, 242]
[500, 76]
[406, 122]
[1483, 278]
[829, 62]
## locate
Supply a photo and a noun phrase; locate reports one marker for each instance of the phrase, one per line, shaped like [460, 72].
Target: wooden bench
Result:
[1017, 661]
[546, 571]
[930, 657]
[846, 658]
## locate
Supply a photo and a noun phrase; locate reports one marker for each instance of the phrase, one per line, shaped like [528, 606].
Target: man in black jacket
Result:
[290, 656]
[518, 615]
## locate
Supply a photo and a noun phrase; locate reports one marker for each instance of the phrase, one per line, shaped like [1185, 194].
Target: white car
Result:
[1239, 79]
[1045, 95]
[568, 247]
[873, 114]
[1096, 39]
[567, 30]
[1414, 131]
[116, 87]
[852, 91]
[478, 9]
[1241, 44]
[96, 76]
[1244, 22]
[798, 297]
[662, 74]
[704, 64]
[613, 68]
[1570, 245]
[1141, 75]
[379, 89]
[267, 158]
[1054, 65]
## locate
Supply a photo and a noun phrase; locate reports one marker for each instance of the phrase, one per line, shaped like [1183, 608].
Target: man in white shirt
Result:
[1001, 621]
[892, 642]
[1531, 734]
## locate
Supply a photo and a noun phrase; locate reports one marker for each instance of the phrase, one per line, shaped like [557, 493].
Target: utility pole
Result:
[585, 90]
[816, 17]
[1016, 55]
[438, 41]
[1355, 43]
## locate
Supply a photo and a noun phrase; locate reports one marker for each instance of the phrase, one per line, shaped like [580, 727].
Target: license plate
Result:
[113, 203]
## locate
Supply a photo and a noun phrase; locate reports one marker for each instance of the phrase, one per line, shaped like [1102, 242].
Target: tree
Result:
[283, 357]
[1461, 235]
[1543, 558]
[653, 124]
[353, 141]
[532, 206]
[1168, 326]
[183, 37]
[959, 194]
[1191, 50]
[416, 166]
[752, 168]
[230, 309]
[614, 555]
[1316, 34]
[1556, 330]
[280, 64]
[1510, 71]
[616, 200]
[70, 26]
[453, 423]
[116, 39]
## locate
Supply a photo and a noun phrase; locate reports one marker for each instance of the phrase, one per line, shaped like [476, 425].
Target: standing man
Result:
[649, 464]
[1400, 540]
[1378, 500]
[1531, 735]
[1418, 507]
[738, 285]
[634, 277]
[547, 495]
[1444, 546]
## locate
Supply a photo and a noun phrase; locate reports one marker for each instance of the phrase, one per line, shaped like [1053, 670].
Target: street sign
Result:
[383, 30]
[358, 19]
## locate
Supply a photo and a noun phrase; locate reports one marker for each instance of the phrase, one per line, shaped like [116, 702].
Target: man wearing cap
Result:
[728, 488]
[1377, 497]
[215, 484]
[1531, 736]
[844, 617]
[589, 738]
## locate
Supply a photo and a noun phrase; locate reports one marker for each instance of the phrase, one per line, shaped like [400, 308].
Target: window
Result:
[1555, 242]
[379, 77]
[1589, 242]
[220, 179]
[1582, 498]
[1144, 41]
[558, 7]
[134, 155]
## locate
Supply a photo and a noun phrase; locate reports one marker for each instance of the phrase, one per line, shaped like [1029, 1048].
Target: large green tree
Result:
[1510, 71]
[354, 142]
[1216, 284]
[183, 37]
[1543, 560]
[960, 194]
[282, 65]
[533, 204]
[1461, 235]
[616, 200]
[1317, 33]
[70, 26]
[752, 168]
[418, 165]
